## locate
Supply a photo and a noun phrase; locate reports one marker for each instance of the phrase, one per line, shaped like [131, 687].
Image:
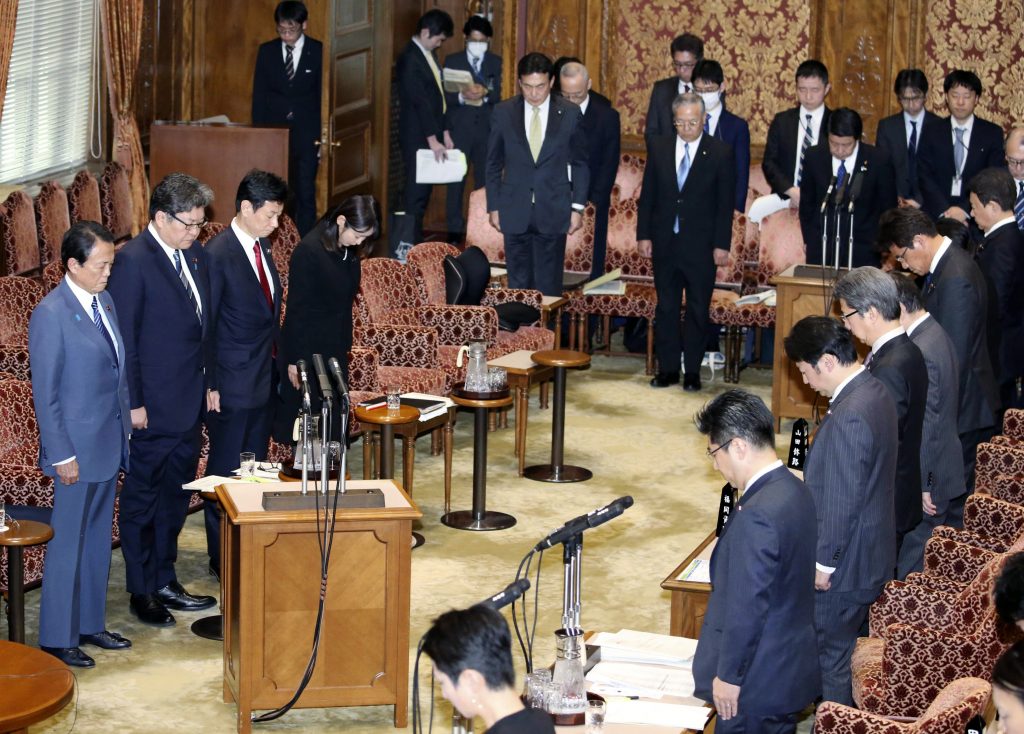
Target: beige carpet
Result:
[636, 440]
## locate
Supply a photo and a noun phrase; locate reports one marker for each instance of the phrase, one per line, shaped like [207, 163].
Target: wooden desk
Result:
[689, 598]
[19, 533]
[270, 592]
[46, 688]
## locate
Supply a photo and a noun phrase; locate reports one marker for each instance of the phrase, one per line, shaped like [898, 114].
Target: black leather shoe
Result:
[71, 656]
[105, 639]
[149, 610]
[691, 383]
[174, 596]
[664, 379]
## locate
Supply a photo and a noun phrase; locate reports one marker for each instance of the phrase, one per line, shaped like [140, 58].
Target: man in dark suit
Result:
[795, 130]
[757, 654]
[956, 296]
[537, 177]
[602, 130]
[942, 461]
[709, 83]
[468, 117]
[958, 147]
[870, 307]
[245, 308]
[1001, 259]
[837, 173]
[1015, 165]
[286, 90]
[161, 288]
[422, 108]
[899, 135]
[684, 223]
[686, 50]
[850, 471]
[81, 401]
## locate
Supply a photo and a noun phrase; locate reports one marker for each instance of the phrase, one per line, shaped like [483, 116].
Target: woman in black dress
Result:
[472, 654]
[323, 279]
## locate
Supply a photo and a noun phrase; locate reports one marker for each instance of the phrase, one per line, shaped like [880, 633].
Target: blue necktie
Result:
[99, 325]
[188, 286]
[1018, 208]
[707, 125]
[681, 174]
[959, 151]
[841, 175]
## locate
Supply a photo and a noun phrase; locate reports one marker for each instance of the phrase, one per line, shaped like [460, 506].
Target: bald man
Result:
[1015, 165]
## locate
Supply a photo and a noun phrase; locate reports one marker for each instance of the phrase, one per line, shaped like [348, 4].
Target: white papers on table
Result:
[645, 647]
[658, 714]
[431, 171]
[427, 415]
[640, 679]
[766, 297]
[207, 484]
[698, 571]
[762, 206]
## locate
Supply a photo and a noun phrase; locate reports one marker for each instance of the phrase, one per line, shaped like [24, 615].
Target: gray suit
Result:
[942, 461]
[851, 471]
[81, 403]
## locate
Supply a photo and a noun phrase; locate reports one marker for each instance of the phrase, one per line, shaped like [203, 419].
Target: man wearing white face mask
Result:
[469, 113]
[709, 83]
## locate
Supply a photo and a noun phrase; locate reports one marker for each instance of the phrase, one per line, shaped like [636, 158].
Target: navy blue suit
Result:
[242, 333]
[1001, 259]
[891, 137]
[603, 132]
[936, 163]
[81, 401]
[164, 350]
[735, 131]
[758, 631]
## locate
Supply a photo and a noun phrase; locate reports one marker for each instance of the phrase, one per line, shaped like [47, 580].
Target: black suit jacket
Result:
[603, 133]
[735, 131]
[935, 163]
[466, 122]
[875, 193]
[891, 137]
[276, 101]
[1001, 259]
[956, 295]
[243, 327]
[758, 632]
[780, 148]
[900, 366]
[659, 108]
[420, 102]
[704, 206]
[516, 183]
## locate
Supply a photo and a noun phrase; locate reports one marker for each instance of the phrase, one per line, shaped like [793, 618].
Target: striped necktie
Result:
[681, 174]
[188, 286]
[808, 139]
[289, 64]
[98, 322]
[959, 152]
[1018, 208]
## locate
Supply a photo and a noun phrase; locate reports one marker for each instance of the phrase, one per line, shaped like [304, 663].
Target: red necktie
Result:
[264, 283]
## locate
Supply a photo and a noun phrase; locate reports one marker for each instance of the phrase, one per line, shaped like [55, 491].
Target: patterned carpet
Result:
[636, 440]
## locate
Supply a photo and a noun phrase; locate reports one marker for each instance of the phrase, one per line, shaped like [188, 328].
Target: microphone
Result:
[335, 367]
[321, 375]
[300, 365]
[508, 595]
[591, 520]
[828, 194]
[857, 185]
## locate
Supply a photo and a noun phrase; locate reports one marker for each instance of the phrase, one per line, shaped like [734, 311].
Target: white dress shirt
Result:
[716, 115]
[693, 151]
[908, 128]
[816, 117]
[169, 251]
[1001, 223]
[247, 242]
[920, 320]
[886, 337]
[545, 108]
[760, 473]
[296, 51]
[946, 242]
[850, 163]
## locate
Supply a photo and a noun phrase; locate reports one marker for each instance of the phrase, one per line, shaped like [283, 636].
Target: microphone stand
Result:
[849, 246]
[840, 193]
[326, 413]
[572, 560]
[307, 450]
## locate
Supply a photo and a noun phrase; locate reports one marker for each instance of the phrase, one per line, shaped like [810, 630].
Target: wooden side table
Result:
[689, 598]
[557, 471]
[523, 373]
[551, 307]
[46, 687]
[19, 533]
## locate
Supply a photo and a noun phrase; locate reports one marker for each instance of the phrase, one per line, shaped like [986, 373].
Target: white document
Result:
[645, 647]
[639, 679]
[697, 571]
[456, 80]
[762, 206]
[431, 171]
[657, 714]
[766, 297]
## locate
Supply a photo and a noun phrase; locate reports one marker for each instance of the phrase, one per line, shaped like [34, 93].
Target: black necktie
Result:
[289, 64]
[188, 286]
[912, 152]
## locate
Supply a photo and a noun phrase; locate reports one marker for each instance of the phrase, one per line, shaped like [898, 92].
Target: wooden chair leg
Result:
[376, 455]
[408, 461]
[650, 346]
[572, 331]
[436, 441]
[543, 394]
[449, 430]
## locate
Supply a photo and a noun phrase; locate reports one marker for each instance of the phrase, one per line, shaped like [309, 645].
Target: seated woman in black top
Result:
[472, 654]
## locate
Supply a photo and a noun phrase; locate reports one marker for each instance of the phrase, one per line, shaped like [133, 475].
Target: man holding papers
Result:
[757, 657]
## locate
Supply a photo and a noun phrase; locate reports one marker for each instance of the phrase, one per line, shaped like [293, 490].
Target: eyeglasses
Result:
[196, 226]
[846, 316]
[1014, 162]
[911, 98]
[688, 124]
[902, 257]
[711, 454]
[684, 64]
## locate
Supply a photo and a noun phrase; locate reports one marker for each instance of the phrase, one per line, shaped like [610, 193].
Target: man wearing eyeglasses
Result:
[161, 288]
[851, 471]
[1015, 165]
[686, 50]
[899, 135]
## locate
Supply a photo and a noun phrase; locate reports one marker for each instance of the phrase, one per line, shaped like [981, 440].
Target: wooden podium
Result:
[689, 598]
[270, 591]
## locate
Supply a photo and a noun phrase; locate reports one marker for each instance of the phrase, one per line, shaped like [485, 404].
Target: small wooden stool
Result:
[557, 471]
[40, 686]
[19, 533]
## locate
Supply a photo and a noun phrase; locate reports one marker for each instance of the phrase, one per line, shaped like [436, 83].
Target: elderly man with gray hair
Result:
[870, 308]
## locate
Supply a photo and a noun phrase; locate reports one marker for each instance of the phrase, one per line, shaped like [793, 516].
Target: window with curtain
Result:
[51, 89]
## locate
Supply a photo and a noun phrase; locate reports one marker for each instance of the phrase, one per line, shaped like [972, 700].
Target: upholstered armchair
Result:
[19, 242]
[53, 274]
[989, 523]
[1013, 423]
[950, 565]
[19, 297]
[922, 640]
[209, 231]
[84, 198]
[952, 709]
[995, 462]
[116, 201]
[283, 242]
[52, 220]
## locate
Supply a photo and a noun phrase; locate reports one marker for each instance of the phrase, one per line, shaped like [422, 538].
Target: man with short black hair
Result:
[756, 658]
[844, 171]
[899, 135]
[850, 470]
[709, 83]
[685, 50]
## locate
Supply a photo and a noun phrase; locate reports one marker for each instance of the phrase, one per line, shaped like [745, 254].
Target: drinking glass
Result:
[595, 716]
[247, 464]
[394, 398]
[3, 516]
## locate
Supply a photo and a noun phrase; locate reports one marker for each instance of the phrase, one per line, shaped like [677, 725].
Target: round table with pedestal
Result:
[36, 686]
[19, 534]
[557, 471]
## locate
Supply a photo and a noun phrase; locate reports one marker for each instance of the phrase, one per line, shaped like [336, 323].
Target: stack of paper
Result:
[607, 284]
[698, 571]
[657, 714]
[640, 679]
[645, 647]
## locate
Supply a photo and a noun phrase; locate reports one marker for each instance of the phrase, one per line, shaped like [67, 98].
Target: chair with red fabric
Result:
[53, 219]
[629, 178]
[283, 242]
[209, 231]
[116, 201]
[19, 240]
[1013, 423]
[989, 523]
[53, 274]
[84, 198]
[19, 297]
[948, 713]
[950, 565]
[996, 464]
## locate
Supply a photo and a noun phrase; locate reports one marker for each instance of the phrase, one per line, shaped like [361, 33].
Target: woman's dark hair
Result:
[472, 639]
[1008, 672]
[361, 214]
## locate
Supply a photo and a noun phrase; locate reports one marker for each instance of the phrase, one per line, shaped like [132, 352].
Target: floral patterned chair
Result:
[116, 201]
[952, 709]
[84, 198]
[989, 523]
[283, 242]
[19, 297]
[53, 274]
[922, 640]
[209, 231]
[53, 219]
[950, 565]
[19, 241]
[996, 464]
[1013, 423]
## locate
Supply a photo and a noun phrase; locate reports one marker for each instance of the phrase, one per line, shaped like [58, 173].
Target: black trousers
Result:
[474, 144]
[535, 260]
[600, 238]
[302, 166]
[754, 723]
[415, 197]
[671, 278]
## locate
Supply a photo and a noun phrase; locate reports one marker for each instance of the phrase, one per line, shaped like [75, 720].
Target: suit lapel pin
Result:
[77, 317]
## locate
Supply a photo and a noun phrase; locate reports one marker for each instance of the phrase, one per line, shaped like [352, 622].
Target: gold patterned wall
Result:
[758, 42]
[984, 36]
